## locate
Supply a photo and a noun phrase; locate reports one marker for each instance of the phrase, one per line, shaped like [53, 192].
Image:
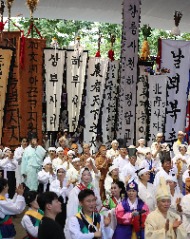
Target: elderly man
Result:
[180, 140]
[113, 152]
[162, 223]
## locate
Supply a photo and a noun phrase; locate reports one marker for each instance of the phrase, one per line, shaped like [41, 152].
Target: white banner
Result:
[175, 56]
[76, 72]
[157, 101]
[142, 104]
[54, 69]
[96, 76]
[129, 61]
[109, 103]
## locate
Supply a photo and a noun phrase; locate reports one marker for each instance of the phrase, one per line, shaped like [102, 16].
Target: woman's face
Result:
[115, 172]
[145, 177]
[60, 154]
[48, 167]
[132, 194]
[115, 190]
[61, 174]
[172, 184]
[86, 177]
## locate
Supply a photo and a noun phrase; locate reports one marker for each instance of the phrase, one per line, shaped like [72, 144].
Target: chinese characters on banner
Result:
[142, 104]
[76, 73]
[54, 70]
[5, 63]
[31, 88]
[129, 61]
[11, 125]
[109, 103]
[96, 76]
[157, 102]
[175, 56]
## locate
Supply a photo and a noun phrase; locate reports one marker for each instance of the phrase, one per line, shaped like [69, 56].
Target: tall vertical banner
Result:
[11, 119]
[54, 70]
[76, 73]
[109, 102]
[129, 61]
[31, 87]
[142, 104]
[175, 56]
[5, 63]
[157, 101]
[96, 77]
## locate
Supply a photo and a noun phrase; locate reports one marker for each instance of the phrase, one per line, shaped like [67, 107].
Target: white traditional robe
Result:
[56, 162]
[185, 204]
[155, 226]
[45, 178]
[111, 153]
[147, 194]
[8, 165]
[129, 170]
[73, 202]
[18, 153]
[173, 206]
[121, 163]
[162, 173]
[141, 156]
[61, 191]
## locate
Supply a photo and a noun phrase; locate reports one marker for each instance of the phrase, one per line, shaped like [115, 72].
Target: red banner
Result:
[31, 87]
[11, 132]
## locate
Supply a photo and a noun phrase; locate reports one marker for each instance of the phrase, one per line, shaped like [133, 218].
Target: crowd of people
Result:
[119, 192]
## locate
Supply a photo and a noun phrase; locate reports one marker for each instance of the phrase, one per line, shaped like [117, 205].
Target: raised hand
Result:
[107, 220]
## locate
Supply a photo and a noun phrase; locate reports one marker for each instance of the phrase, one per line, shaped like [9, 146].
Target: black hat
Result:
[132, 151]
[122, 143]
[30, 196]
[32, 135]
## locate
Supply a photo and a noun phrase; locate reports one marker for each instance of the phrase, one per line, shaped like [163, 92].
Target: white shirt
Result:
[64, 191]
[56, 162]
[156, 164]
[45, 178]
[121, 162]
[72, 174]
[185, 175]
[18, 154]
[75, 231]
[29, 227]
[162, 173]
[111, 153]
[129, 170]
[147, 194]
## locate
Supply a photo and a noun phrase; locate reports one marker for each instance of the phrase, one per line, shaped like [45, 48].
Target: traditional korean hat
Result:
[141, 141]
[60, 167]
[32, 135]
[132, 151]
[111, 168]
[159, 135]
[46, 161]
[181, 132]
[71, 152]
[75, 160]
[147, 150]
[5, 150]
[114, 142]
[59, 149]
[163, 190]
[172, 178]
[51, 149]
[142, 171]
[122, 143]
[132, 185]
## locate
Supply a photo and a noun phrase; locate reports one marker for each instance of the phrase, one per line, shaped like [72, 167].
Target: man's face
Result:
[164, 205]
[123, 152]
[56, 206]
[34, 142]
[88, 204]
[159, 139]
[180, 137]
[52, 153]
[167, 165]
[62, 143]
[133, 160]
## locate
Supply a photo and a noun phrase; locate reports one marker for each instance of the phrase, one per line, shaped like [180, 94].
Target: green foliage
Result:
[66, 32]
